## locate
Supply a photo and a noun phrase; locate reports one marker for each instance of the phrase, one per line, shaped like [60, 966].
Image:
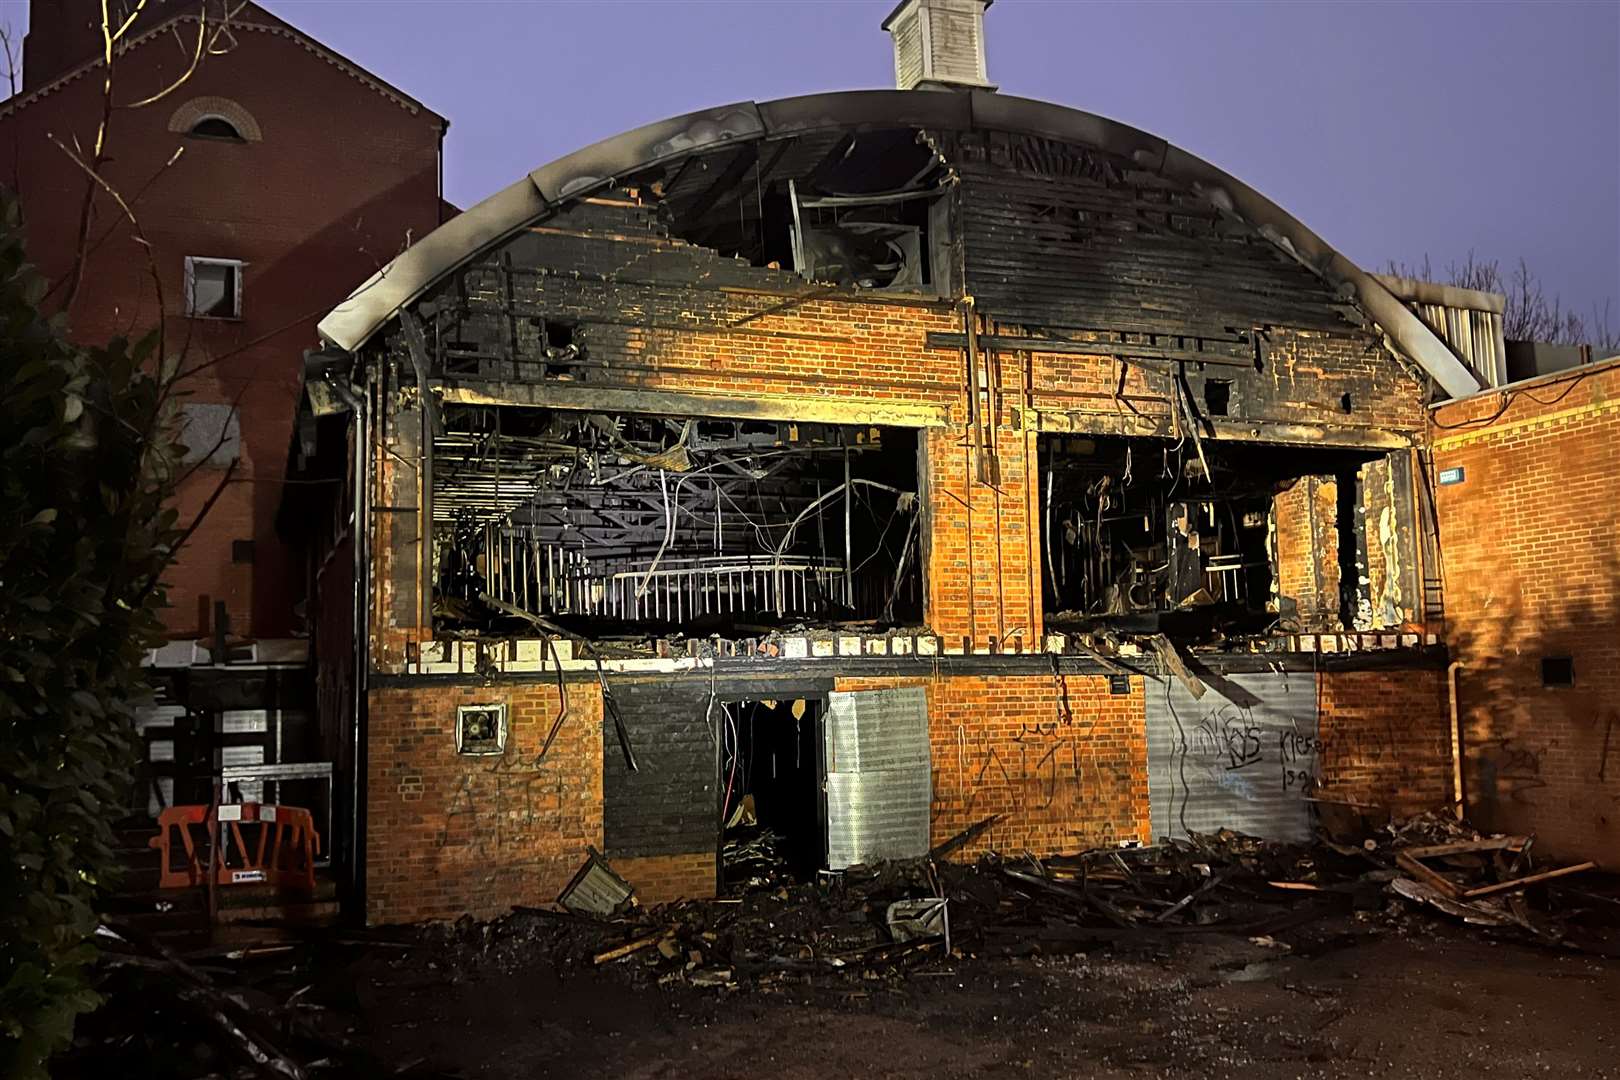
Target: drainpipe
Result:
[358, 536]
[1456, 740]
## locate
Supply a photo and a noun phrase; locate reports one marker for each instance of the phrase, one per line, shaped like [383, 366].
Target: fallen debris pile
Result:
[875, 924]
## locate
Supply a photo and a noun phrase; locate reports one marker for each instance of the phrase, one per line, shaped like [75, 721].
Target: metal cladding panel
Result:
[1245, 759]
[879, 780]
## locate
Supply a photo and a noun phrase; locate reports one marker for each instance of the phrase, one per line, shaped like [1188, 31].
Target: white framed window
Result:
[213, 288]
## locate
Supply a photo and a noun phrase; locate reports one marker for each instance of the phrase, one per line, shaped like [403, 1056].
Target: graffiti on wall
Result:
[1245, 756]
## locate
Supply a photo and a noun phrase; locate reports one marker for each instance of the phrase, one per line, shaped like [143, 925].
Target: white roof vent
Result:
[939, 44]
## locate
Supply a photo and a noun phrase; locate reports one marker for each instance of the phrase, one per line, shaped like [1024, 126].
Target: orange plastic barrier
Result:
[283, 852]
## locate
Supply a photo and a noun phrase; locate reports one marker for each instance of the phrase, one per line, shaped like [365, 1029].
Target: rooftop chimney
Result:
[939, 44]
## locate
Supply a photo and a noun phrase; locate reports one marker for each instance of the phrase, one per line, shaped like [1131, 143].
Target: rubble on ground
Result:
[271, 1009]
[837, 928]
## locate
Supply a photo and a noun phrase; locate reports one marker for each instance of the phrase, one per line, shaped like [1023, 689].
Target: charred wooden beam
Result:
[942, 340]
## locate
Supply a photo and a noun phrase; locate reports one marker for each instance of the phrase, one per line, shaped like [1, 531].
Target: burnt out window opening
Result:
[860, 211]
[636, 524]
[1355, 581]
[772, 818]
[1137, 539]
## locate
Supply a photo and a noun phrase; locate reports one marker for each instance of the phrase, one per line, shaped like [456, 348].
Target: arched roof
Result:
[353, 322]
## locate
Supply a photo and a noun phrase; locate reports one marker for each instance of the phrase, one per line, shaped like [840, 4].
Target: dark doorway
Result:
[773, 821]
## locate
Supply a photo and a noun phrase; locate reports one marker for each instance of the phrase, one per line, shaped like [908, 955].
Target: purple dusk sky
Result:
[1392, 129]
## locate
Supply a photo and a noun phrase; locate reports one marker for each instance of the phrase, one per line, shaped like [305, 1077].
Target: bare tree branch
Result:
[140, 238]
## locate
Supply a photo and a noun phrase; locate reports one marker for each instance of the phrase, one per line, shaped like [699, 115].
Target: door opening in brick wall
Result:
[1138, 538]
[772, 811]
[631, 525]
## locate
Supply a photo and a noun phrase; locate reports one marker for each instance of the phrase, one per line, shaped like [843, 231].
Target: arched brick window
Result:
[216, 118]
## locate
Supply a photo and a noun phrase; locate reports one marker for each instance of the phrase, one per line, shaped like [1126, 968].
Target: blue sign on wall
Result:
[1451, 476]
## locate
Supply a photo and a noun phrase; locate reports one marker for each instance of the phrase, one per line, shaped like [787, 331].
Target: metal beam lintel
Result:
[1227, 430]
[824, 410]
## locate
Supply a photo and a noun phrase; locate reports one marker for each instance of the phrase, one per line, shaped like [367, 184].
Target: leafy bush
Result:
[86, 465]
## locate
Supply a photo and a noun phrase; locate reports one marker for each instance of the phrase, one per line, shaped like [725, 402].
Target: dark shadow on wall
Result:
[1539, 704]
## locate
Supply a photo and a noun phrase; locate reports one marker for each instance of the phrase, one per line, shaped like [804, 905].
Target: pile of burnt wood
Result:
[879, 922]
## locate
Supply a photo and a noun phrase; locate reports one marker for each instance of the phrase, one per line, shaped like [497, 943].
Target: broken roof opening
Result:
[610, 163]
[857, 210]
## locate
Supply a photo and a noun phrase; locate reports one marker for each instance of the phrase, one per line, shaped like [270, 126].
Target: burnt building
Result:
[890, 459]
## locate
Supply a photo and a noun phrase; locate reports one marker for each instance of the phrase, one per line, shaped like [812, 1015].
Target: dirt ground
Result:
[1341, 999]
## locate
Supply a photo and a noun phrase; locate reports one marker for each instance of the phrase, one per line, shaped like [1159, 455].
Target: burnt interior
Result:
[1139, 537]
[861, 210]
[772, 815]
[631, 524]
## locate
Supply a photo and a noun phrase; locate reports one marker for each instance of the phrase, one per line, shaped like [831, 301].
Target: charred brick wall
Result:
[1528, 542]
[651, 311]
[1385, 738]
[983, 573]
[1306, 550]
[449, 833]
[1063, 759]
[661, 878]
[666, 814]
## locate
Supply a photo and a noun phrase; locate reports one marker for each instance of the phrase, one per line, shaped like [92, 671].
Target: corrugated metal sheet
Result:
[1245, 761]
[1476, 336]
[879, 782]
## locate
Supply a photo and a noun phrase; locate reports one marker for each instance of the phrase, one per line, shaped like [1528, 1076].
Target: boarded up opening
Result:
[879, 782]
[1244, 757]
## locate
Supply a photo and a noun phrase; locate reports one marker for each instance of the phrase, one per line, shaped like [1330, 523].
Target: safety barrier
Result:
[281, 853]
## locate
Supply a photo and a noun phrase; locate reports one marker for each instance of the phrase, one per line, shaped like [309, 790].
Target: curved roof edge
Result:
[353, 322]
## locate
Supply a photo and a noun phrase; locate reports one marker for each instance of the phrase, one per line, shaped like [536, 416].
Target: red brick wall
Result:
[1385, 739]
[661, 878]
[1532, 564]
[374, 162]
[449, 833]
[983, 573]
[1307, 550]
[1065, 780]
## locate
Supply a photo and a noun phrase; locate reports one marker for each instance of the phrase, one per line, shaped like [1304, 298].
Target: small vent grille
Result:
[908, 54]
[956, 47]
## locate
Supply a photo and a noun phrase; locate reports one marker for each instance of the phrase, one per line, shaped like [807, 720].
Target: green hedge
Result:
[86, 466]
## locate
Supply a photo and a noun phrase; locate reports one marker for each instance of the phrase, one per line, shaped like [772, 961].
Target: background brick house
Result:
[268, 177]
